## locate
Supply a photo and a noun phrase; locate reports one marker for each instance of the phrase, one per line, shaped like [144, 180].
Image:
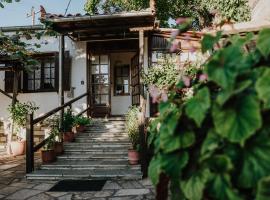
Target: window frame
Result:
[53, 57]
[122, 76]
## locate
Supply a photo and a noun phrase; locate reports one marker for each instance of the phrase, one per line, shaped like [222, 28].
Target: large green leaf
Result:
[263, 192]
[256, 160]
[225, 95]
[225, 66]
[196, 107]
[173, 163]
[209, 41]
[193, 187]
[170, 143]
[211, 142]
[154, 169]
[220, 188]
[239, 121]
[263, 42]
[262, 87]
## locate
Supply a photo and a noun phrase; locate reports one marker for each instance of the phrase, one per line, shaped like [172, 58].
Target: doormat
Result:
[78, 186]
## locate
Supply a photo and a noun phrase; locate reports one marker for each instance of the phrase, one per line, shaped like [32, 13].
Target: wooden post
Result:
[143, 149]
[29, 143]
[14, 100]
[61, 77]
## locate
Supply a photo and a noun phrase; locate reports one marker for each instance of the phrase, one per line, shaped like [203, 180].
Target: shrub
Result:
[132, 126]
[68, 121]
[216, 144]
[81, 121]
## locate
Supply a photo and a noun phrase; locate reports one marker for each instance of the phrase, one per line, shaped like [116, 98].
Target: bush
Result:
[132, 126]
[216, 144]
[68, 121]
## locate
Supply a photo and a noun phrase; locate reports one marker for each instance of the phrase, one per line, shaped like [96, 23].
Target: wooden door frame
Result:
[89, 80]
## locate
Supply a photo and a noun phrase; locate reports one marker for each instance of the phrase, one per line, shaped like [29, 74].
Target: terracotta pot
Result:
[48, 156]
[133, 157]
[80, 128]
[17, 148]
[68, 137]
[58, 148]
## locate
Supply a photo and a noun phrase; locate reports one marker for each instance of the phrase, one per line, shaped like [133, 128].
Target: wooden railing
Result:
[30, 148]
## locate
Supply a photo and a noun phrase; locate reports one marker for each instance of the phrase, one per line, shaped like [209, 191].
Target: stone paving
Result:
[13, 185]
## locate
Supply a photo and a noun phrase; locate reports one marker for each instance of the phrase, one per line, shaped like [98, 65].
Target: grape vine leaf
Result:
[263, 42]
[196, 108]
[239, 121]
[263, 89]
[263, 192]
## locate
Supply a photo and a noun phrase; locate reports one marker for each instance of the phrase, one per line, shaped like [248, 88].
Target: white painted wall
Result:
[119, 104]
[49, 100]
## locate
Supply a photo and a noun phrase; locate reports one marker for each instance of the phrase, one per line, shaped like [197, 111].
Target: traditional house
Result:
[103, 55]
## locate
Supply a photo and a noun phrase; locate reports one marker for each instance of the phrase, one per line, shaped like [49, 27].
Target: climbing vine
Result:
[216, 144]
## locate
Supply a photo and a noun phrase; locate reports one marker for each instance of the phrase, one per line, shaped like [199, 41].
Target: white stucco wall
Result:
[49, 100]
[119, 104]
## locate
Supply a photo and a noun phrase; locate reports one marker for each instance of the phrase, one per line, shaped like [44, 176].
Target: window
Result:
[43, 77]
[121, 85]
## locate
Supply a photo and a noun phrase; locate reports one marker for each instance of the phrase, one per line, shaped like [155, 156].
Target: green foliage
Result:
[81, 120]
[19, 112]
[68, 121]
[2, 2]
[161, 75]
[132, 126]
[200, 10]
[218, 141]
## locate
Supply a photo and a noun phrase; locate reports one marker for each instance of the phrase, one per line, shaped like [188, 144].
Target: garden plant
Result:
[216, 143]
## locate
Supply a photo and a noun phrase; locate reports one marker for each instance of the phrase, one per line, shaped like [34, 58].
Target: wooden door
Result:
[135, 80]
[100, 86]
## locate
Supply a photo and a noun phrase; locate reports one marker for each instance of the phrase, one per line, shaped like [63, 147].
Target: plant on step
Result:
[18, 113]
[81, 121]
[132, 125]
[68, 121]
[48, 154]
[215, 145]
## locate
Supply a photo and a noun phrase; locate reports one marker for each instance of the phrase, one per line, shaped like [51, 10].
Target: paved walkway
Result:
[13, 185]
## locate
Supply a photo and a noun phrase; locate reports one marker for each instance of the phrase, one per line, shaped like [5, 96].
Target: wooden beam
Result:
[6, 94]
[147, 28]
[61, 77]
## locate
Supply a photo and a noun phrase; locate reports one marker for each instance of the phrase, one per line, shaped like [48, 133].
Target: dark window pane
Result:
[95, 69]
[37, 84]
[125, 71]
[47, 73]
[30, 85]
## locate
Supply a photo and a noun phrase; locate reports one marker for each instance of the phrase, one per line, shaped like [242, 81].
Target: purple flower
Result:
[164, 96]
[174, 46]
[181, 20]
[186, 81]
[155, 93]
[175, 33]
[192, 49]
[203, 77]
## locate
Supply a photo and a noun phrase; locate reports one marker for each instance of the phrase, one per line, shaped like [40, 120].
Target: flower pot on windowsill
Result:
[58, 148]
[48, 156]
[68, 136]
[80, 128]
[17, 148]
[133, 157]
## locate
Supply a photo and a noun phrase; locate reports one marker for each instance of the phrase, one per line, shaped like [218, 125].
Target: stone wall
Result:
[38, 135]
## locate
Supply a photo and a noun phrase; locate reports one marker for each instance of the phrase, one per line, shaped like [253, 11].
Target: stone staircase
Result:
[98, 153]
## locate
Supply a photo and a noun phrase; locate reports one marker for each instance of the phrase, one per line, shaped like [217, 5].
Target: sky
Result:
[14, 14]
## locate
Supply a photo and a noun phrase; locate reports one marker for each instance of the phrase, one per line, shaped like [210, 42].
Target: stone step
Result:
[93, 153]
[102, 140]
[94, 156]
[97, 150]
[87, 145]
[111, 131]
[90, 165]
[98, 174]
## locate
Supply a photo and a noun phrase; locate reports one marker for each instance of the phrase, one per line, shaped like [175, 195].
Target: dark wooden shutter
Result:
[9, 75]
[67, 72]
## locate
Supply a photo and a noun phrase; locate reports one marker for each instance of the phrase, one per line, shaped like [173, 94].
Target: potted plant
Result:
[48, 154]
[18, 113]
[67, 126]
[80, 123]
[132, 128]
[58, 142]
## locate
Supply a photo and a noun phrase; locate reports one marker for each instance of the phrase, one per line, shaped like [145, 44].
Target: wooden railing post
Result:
[29, 143]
